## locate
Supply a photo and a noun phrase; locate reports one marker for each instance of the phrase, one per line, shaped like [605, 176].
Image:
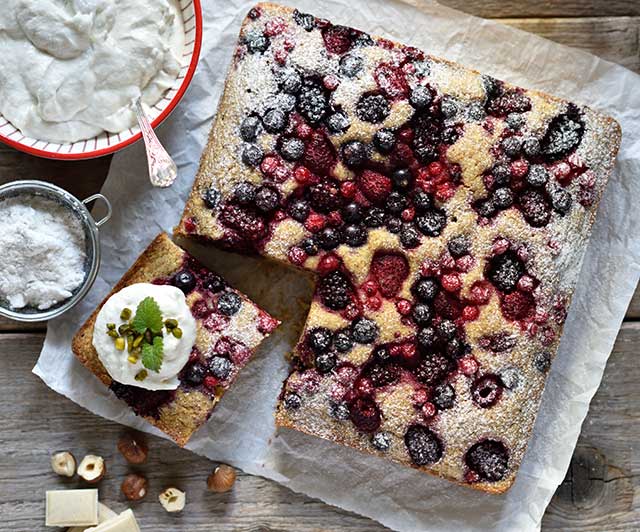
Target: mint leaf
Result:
[152, 355]
[148, 316]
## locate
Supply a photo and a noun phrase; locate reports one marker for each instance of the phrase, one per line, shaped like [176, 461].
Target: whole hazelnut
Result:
[134, 487]
[63, 463]
[172, 499]
[92, 468]
[133, 448]
[222, 479]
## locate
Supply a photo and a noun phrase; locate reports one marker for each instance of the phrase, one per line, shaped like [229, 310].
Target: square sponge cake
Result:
[228, 328]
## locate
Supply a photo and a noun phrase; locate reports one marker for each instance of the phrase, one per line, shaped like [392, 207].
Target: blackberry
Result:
[354, 154]
[422, 314]
[384, 140]
[383, 374]
[542, 361]
[375, 217]
[292, 401]
[355, 235]
[394, 225]
[448, 107]
[425, 289]
[195, 374]
[342, 341]
[486, 391]
[431, 223]
[364, 330]
[492, 86]
[427, 337]
[421, 97]
[289, 80]
[309, 246]
[423, 445]
[535, 208]
[428, 137]
[244, 193]
[381, 441]
[373, 108]
[511, 146]
[505, 271]
[329, 238]
[312, 101]
[298, 210]
[285, 102]
[350, 65]
[401, 178]
[184, 280]
[220, 367]
[256, 41]
[489, 459]
[250, 128]
[325, 197]
[214, 283]
[364, 414]
[475, 112]
[335, 290]
[381, 354]
[433, 369]
[339, 411]
[338, 122]
[455, 348]
[560, 200]
[409, 236]
[211, 198]
[447, 329]
[252, 155]
[352, 213]
[229, 303]
[451, 134]
[422, 201]
[502, 198]
[325, 362]
[362, 39]
[395, 203]
[501, 174]
[292, 149]
[486, 208]
[563, 135]
[306, 21]
[531, 147]
[515, 120]
[274, 120]
[444, 396]
[459, 246]
[537, 176]
[267, 199]
[319, 339]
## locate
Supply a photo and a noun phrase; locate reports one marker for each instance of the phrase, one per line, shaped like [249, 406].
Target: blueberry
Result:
[249, 128]
[298, 210]
[394, 225]
[325, 362]
[431, 223]
[423, 446]
[325, 197]
[350, 65]
[351, 213]
[267, 199]
[220, 367]
[289, 80]
[329, 238]
[256, 41]
[214, 283]
[229, 303]
[395, 203]
[427, 337]
[512, 146]
[252, 155]
[306, 21]
[354, 154]
[375, 217]
[421, 97]
[342, 341]
[401, 178]
[444, 396]
[537, 176]
[195, 374]
[339, 411]
[531, 147]
[364, 330]
[244, 193]
[319, 339]
[511, 378]
[505, 270]
[459, 246]
[502, 198]
[422, 201]
[309, 246]
[381, 441]
[425, 289]
[384, 140]
[422, 314]
[338, 122]
[292, 401]
[560, 200]
[409, 236]
[448, 107]
[489, 459]
[274, 120]
[211, 198]
[184, 280]
[373, 108]
[312, 101]
[292, 149]
[355, 235]
[515, 120]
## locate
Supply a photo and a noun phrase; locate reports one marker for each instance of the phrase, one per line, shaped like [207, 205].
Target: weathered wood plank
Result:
[633, 311]
[597, 494]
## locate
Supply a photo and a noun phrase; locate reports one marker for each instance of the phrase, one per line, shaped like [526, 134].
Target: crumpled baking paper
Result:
[242, 430]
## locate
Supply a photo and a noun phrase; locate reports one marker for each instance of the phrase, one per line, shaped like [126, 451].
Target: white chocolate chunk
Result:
[125, 522]
[104, 514]
[72, 507]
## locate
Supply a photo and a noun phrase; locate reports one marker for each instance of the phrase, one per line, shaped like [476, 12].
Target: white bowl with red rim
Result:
[107, 143]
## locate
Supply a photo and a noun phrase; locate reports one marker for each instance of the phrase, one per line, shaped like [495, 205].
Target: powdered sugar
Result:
[42, 252]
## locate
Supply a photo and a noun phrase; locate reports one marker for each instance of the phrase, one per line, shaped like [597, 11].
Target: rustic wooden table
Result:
[602, 487]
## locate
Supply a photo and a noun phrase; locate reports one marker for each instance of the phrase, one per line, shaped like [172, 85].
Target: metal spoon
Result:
[162, 169]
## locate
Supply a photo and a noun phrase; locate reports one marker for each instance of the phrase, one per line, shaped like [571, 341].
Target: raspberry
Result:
[348, 190]
[266, 323]
[376, 187]
[470, 313]
[465, 264]
[365, 414]
[331, 82]
[250, 225]
[337, 39]
[519, 168]
[420, 397]
[428, 410]
[374, 303]
[517, 305]
[391, 81]
[390, 270]
[403, 306]
[315, 222]
[211, 382]
[319, 154]
[451, 282]
[468, 365]
[408, 214]
[297, 255]
[303, 175]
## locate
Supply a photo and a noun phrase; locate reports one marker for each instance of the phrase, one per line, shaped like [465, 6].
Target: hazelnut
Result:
[222, 479]
[92, 468]
[172, 499]
[134, 487]
[63, 463]
[133, 448]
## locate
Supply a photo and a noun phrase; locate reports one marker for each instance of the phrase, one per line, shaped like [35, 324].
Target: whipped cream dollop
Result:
[71, 69]
[176, 351]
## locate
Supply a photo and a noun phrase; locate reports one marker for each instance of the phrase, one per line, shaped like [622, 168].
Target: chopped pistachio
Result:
[177, 332]
[120, 344]
[171, 323]
[125, 315]
[141, 375]
[112, 333]
[111, 326]
[137, 341]
[132, 358]
[124, 329]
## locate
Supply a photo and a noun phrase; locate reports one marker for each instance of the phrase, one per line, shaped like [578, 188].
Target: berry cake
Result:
[229, 328]
[446, 214]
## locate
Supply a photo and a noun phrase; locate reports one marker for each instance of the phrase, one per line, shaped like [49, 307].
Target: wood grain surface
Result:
[600, 493]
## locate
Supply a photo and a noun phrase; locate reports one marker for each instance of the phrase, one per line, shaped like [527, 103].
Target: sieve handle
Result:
[107, 203]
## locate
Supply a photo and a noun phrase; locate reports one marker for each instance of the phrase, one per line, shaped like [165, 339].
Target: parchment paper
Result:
[241, 430]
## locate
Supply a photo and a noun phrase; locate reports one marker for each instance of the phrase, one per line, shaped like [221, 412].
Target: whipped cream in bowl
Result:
[145, 347]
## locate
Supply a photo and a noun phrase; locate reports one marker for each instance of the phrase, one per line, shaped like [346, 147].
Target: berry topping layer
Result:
[445, 213]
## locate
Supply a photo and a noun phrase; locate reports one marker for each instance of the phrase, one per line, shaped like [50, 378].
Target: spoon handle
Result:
[162, 169]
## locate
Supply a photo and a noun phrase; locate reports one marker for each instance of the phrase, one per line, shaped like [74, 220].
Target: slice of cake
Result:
[446, 214]
[171, 338]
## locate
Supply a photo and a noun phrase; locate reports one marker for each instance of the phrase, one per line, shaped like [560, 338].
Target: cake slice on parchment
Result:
[446, 214]
[171, 338]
